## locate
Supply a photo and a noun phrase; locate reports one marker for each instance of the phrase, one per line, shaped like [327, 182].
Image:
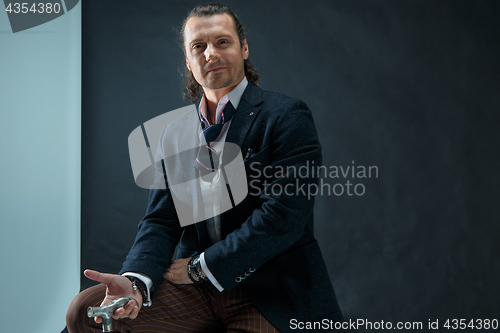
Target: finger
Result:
[99, 277]
[130, 305]
[98, 320]
[168, 276]
[134, 313]
[119, 313]
[126, 311]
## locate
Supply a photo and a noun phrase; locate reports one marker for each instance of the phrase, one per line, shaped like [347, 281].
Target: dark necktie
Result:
[207, 160]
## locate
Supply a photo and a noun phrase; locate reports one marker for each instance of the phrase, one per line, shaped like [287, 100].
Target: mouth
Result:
[216, 69]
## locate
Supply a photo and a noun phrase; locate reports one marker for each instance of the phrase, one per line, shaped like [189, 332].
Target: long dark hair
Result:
[192, 90]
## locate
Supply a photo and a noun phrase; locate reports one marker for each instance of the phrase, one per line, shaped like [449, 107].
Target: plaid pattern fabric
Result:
[176, 308]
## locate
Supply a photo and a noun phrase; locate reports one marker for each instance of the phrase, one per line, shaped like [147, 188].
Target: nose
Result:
[211, 53]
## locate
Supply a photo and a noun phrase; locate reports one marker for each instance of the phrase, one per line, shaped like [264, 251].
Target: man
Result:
[255, 267]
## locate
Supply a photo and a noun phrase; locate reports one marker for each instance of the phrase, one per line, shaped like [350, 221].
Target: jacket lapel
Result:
[247, 111]
[245, 114]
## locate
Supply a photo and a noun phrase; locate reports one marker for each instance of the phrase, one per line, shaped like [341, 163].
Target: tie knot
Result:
[207, 160]
[212, 132]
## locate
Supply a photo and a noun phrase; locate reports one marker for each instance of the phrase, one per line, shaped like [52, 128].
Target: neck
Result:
[213, 97]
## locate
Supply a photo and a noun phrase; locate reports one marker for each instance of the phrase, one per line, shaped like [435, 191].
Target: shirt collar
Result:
[234, 96]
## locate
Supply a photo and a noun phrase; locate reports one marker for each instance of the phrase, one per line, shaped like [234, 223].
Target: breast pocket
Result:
[255, 164]
[255, 168]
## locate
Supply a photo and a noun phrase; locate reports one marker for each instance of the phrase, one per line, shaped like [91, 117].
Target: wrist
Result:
[195, 272]
[139, 290]
[137, 295]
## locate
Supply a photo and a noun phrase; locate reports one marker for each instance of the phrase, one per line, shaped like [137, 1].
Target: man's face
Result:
[213, 51]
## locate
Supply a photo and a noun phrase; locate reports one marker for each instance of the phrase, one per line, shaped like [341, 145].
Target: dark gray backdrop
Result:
[408, 86]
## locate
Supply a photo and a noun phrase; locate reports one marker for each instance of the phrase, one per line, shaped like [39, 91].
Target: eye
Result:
[224, 41]
[197, 48]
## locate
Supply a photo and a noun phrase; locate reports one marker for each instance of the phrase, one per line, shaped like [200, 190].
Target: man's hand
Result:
[117, 287]
[177, 272]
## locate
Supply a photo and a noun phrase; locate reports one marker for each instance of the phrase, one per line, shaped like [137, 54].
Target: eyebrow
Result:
[216, 37]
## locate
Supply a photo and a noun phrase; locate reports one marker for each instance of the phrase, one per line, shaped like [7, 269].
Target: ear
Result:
[187, 65]
[245, 49]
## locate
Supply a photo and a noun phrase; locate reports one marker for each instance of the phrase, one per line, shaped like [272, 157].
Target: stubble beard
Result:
[216, 84]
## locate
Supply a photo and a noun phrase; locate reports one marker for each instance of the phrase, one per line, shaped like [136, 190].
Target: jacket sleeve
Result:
[285, 204]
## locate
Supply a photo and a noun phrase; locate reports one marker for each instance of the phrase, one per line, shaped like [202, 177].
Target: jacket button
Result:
[251, 269]
[238, 279]
[247, 273]
[242, 276]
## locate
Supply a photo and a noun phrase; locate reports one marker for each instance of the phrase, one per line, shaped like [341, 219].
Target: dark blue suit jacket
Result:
[268, 246]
